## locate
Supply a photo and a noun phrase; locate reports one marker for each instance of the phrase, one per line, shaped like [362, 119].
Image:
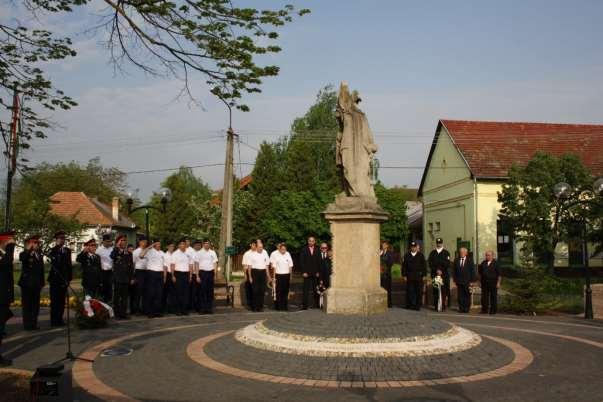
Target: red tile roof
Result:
[90, 211]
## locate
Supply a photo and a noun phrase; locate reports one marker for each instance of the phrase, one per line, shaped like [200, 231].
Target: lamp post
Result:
[585, 199]
[165, 198]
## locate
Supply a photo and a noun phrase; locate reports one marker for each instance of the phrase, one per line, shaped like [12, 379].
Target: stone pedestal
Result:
[355, 283]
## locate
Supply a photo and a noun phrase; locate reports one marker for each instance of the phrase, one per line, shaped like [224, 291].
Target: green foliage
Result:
[393, 201]
[539, 220]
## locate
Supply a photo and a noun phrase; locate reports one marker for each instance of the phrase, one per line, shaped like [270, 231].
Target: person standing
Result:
[309, 261]
[182, 266]
[326, 266]
[138, 302]
[247, 270]
[489, 274]
[414, 270]
[282, 264]
[123, 267]
[155, 278]
[31, 281]
[91, 269]
[386, 259]
[7, 286]
[59, 278]
[439, 259]
[167, 297]
[206, 264]
[104, 252]
[464, 275]
[195, 293]
[259, 262]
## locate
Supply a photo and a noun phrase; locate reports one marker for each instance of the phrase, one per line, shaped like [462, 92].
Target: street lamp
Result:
[165, 198]
[585, 198]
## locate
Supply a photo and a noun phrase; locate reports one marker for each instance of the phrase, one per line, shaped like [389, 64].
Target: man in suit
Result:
[309, 262]
[489, 274]
[439, 258]
[31, 281]
[59, 277]
[414, 269]
[123, 269]
[7, 285]
[326, 268]
[464, 275]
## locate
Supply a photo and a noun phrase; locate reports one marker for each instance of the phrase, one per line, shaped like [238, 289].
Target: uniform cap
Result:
[89, 242]
[107, 237]
[413, 244]
[439, 240]
[7, 235]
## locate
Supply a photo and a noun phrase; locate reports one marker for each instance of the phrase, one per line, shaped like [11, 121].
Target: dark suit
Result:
[414, 268]
[309, 263]
[489, 276]
[91, 273]
[123, 274]
[386, 262]
[7, 286]
[326, 269]
[59, 276]
[442, 262]
[464, 274]
[31, 283]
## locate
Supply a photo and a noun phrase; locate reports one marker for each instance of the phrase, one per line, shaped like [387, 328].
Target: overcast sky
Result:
[413, 62]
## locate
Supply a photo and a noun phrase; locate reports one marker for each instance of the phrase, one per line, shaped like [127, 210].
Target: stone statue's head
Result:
[356, 97]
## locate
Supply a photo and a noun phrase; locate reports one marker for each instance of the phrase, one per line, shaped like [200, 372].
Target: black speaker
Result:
[50, 384]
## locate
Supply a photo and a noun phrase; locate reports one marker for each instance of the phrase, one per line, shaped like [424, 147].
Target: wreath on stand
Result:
[92, 313]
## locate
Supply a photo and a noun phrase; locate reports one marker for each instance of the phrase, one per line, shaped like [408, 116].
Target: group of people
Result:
[442, 269]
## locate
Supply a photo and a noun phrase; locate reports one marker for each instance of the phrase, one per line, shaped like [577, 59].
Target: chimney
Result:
[115, 209]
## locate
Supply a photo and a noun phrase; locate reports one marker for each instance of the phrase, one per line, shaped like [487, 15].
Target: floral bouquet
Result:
[92, 313]
[438, 283]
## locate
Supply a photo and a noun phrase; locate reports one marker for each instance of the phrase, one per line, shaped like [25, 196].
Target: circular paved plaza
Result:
[200, 358]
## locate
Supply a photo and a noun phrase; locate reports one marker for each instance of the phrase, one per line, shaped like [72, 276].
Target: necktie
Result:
[463, 262]
[324, 255]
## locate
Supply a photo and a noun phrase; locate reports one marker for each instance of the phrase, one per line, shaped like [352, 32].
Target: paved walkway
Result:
[167, 363]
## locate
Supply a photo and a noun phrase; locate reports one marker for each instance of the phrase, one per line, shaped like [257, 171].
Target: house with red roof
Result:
[466, 167]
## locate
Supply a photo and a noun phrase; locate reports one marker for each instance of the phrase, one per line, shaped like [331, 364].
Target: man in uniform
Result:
[309, 261]
[248, 279]
[282, 263]
[167, 297]
[260, 263]
[182, 266]
[7, 286]
[59, 277]
[439, 259]
[156, 275]
[138, 302]
[31, 281]
[489, 274]
[464, 274]
[414, 270]
[104, 252]
[123, 277]
[91, 269]
[205, 266]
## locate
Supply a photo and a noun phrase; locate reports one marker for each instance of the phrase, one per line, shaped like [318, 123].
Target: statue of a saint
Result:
[355, 145]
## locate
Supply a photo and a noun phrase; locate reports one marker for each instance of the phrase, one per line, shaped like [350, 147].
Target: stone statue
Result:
[355, 145]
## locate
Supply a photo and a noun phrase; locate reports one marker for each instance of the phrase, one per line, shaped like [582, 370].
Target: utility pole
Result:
[227, 195]
[13, 148]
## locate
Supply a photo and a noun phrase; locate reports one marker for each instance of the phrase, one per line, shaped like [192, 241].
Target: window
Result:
[437, 226]
[431, 226]
[504, 243]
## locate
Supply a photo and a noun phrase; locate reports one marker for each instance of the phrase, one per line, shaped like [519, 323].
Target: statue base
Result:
[355, 283]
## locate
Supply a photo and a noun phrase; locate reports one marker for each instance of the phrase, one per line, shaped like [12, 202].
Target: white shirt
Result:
[167, 259]
[105, 256]
[282, 263]
[191, 251]
[206, 259]
[259, 260]
[181, 261]
[246, 257]
[139, 262]
[154, 260]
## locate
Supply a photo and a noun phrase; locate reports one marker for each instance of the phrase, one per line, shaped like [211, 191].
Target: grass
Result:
[396, 271]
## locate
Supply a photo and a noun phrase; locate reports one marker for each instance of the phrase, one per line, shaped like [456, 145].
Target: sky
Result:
[413, 62]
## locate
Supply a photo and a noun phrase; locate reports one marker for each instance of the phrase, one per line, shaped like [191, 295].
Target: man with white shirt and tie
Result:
[182, 267]
[464, 275]
[206, 262]
[282, 263]
[156, 275]
[104, 252]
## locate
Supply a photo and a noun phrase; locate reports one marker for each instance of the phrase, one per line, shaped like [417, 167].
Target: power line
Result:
[183, 166]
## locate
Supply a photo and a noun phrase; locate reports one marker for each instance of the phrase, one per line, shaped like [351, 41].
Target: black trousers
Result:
[489, 297]
[30, 300]
[259, 288]
[193, 294]
[120, 299]
[107, 286]
[310, 288]
[386, 283]
[167, 296]
[182, 291]
[206, 291]
[57, 303]
[137, 292]
[414, 294]
[249, 294]
[153, 292]
[282, 291]
[464, 297]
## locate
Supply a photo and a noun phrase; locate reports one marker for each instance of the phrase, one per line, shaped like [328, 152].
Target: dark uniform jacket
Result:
[7, 283]
[466, 275]
[32, 269]
[309, 263]
[123, 266]
[325, 267]
[440, 261]
[489, 274]
[91, 269]
[414, 268]
[61, 269]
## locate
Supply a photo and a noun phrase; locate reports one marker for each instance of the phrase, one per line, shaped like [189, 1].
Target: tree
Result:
[393, 200]
[539, 220]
